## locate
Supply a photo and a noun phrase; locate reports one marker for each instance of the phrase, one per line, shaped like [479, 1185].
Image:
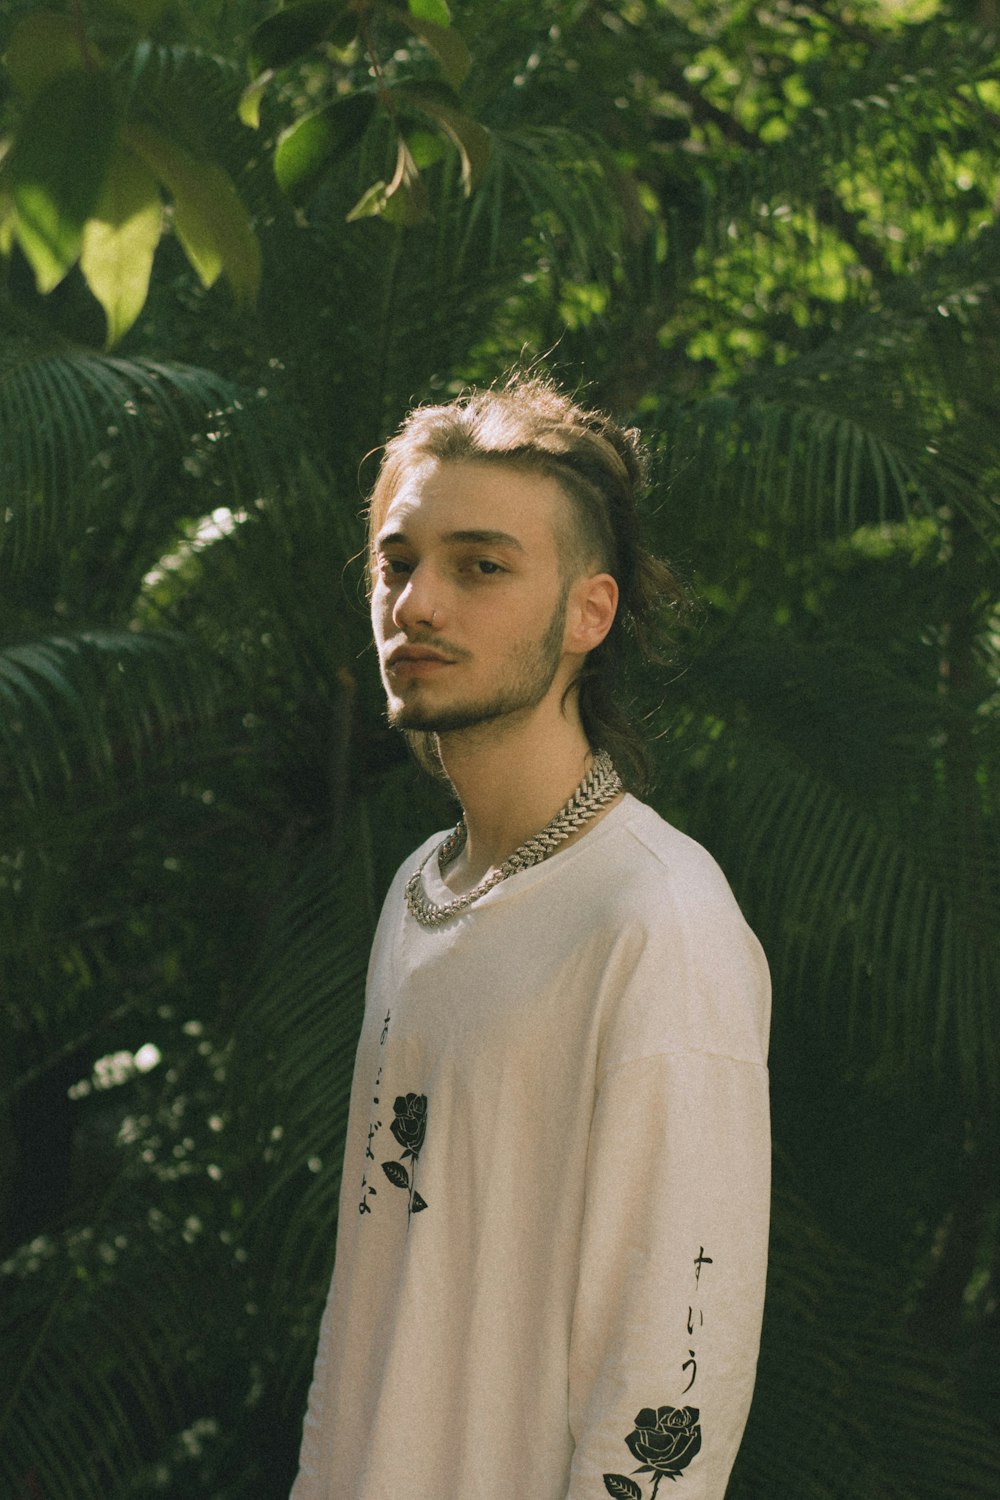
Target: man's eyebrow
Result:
[485, 539]
[477, 537]
[391, 539]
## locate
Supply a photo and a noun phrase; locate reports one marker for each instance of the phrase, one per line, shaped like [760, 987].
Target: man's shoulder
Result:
[652, 854]
[673, 907]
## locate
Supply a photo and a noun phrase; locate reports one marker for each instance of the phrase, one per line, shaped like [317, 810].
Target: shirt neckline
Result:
[441, 894]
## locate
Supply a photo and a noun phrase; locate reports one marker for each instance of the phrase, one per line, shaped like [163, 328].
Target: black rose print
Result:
[664, 1441]
[409, 1128]
[410, 1123]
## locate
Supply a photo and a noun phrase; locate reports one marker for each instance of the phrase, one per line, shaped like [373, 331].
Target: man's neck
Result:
[510, 782]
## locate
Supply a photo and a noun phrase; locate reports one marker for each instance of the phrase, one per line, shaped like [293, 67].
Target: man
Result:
[552, 1239]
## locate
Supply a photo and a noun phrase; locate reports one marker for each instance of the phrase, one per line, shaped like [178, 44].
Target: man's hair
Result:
[530, 425]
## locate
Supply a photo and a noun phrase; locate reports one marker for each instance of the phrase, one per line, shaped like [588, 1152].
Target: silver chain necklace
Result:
[599, 787]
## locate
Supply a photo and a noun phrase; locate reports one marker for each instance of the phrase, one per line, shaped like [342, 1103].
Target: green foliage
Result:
[318, 140]
[58, 169]
[767, 236]
[119, 241]
[93, 153]
[305, 149]
[85, 168]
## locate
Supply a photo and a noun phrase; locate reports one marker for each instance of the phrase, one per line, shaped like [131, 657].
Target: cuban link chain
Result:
[599, 787]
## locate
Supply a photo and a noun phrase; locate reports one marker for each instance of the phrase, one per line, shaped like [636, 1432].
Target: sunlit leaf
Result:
[40, 48]
[250, 99]
[426, 147]
[210, 219]
[119, 241]
[435, 11]
[58, 168]
[472, 140]
[307, 148]
[8, 219]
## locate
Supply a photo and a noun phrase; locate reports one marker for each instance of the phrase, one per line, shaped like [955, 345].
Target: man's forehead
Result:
[474, 501]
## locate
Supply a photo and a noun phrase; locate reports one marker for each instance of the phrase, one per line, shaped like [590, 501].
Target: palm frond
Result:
[93, 702]
[569, 192]
[111, 1347]
[293, 1059]
[874, 911]
[819, 448]
[79, 429]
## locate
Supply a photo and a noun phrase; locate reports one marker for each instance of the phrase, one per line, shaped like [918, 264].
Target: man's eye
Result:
[487, 567]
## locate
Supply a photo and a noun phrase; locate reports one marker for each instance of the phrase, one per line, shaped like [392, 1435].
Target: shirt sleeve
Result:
[668, 1308]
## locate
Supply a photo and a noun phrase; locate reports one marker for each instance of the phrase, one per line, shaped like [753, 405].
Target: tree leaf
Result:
[396, 1173]
[418, 1202]
[472, 140]
[290, 33]
[426, 147]
[307, 148]
[211, 222]
[622, 1487]
[370, 204]
[120, 239]
[8, 219]
[435, 11]
[401, 201]
[249, 106]
[41, 48]
[406, 196]
[444, 41]
[58, 167]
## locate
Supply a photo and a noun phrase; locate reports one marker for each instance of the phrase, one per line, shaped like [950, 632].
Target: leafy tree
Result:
[768, 236]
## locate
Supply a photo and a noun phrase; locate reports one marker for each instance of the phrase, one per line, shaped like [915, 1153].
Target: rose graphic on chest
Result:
[409, 1126]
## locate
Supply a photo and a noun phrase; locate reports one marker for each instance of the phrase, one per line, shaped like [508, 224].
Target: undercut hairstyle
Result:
[602, 468]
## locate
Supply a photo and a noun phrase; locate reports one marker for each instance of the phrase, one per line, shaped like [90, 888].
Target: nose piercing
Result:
[433, 617]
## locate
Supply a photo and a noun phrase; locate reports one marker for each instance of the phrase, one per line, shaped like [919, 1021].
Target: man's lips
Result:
[416, 655]
[416, 661]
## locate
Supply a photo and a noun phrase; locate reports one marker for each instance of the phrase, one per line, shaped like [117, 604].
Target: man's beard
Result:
[533, 675]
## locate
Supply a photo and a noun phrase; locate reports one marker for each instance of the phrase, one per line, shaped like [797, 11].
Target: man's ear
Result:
[590, 612]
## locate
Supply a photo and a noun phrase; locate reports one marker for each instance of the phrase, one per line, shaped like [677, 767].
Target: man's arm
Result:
[672, 1270]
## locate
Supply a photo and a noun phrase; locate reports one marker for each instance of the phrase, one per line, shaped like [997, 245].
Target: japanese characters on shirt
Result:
[667, 1438]
[409, 1126]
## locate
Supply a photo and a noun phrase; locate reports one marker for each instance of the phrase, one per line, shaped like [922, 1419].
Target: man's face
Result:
[469, 602]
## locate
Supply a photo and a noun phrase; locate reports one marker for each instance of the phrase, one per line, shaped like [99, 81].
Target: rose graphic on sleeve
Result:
[409, 1127]
[664, 1441]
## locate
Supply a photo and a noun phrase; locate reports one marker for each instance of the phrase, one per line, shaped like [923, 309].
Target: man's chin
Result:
[415, 720]
[406, 716]
[412, 721]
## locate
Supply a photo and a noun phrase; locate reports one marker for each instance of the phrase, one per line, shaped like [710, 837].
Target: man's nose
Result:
[418, 604]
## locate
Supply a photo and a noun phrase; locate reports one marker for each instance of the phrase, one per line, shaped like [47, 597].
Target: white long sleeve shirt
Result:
[553, 1222]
